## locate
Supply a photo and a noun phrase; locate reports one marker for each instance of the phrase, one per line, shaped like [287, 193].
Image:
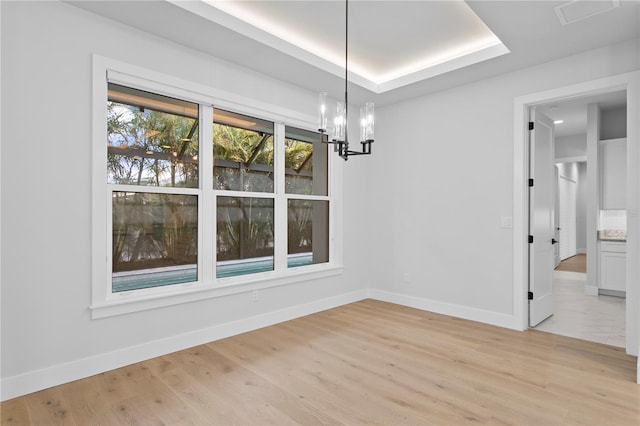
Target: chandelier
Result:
[340, 135]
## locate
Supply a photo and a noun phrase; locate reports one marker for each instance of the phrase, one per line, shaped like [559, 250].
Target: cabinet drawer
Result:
[613, 247]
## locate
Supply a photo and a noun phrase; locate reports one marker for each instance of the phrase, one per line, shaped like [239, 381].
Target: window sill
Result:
[129, 302]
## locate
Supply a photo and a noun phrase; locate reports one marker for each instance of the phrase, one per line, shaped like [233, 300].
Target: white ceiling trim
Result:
[479, 51]
[216, 15]
[445, 66]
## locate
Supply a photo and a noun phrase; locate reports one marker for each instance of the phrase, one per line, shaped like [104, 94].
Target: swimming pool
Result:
[158, 277]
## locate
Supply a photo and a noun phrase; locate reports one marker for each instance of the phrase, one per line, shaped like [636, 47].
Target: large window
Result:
[243, 161]
[306, 168]
[243, 150]
[152, 142]
[250, 205]
[306, 162]
[151, 139]
[244, 237]
[243, 153]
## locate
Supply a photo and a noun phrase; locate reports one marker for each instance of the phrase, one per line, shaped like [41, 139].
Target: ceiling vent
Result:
[577, 10]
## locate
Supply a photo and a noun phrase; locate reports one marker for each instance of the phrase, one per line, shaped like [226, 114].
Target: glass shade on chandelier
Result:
[339, 122]
[339, 134]
[322, 98]
[367, 121]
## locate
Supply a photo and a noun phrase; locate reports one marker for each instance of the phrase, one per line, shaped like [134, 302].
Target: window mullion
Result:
[280, 238]
[335, 209]
[109, 248]
[206, 205]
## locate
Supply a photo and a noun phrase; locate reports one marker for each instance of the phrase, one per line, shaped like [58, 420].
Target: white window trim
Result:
[104, 303]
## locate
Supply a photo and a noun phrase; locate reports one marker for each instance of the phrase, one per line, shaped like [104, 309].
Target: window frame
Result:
[104, 302]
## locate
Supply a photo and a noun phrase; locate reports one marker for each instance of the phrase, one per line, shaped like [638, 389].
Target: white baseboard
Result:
[487, 317]
[590, 290]
[63, 373]
[33, 381]
[569, 275]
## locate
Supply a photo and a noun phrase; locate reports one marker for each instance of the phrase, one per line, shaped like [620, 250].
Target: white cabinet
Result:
[613, 267]
[612, 255]
[613, 174]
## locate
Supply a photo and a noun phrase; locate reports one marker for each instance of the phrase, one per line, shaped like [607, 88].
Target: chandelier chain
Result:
[346, 74]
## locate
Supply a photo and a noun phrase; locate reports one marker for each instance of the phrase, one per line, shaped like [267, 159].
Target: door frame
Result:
[556, 181]
[631, 83]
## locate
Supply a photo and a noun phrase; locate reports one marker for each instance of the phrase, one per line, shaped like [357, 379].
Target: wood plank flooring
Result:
[577, 263]
[365, 363]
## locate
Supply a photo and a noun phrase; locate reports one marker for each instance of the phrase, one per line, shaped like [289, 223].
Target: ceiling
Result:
[397, 49]
[427, 38]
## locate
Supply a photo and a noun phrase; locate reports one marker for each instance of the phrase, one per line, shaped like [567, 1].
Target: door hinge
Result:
[531, 125]
[530, 182]
[530, 239]
[530, 296]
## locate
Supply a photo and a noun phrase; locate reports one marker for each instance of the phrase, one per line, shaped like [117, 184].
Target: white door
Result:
[541, 218]
[556, 251]
[568, 218]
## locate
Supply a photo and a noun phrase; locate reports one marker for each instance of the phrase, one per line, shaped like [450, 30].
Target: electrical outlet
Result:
[406, 278]
[255, 296]
[506, 222]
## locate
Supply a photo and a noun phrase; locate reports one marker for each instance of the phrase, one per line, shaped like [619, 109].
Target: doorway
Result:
[594, 317]
[575, 314]
[626, 82]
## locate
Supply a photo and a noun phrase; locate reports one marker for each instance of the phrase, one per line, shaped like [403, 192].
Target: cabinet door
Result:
[613, 271]
[613, 159]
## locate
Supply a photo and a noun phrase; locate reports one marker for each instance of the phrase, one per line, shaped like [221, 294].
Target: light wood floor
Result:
[577, 263]
[367, 362]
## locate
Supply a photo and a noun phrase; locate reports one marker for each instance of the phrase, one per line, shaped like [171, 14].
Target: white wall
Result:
[571, 146]
[1, 398]
[47, 334]
[445, 166]
[613, 123]
[581, 208]
[569, 171]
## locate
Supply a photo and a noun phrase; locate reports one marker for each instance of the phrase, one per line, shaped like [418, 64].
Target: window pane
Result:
[305, 162]
[243, 152]
[244, 236]
[155, 239]
[151, 139]
[308, 232]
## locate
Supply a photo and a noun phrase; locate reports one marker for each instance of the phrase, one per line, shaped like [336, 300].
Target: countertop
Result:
[615, 235]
